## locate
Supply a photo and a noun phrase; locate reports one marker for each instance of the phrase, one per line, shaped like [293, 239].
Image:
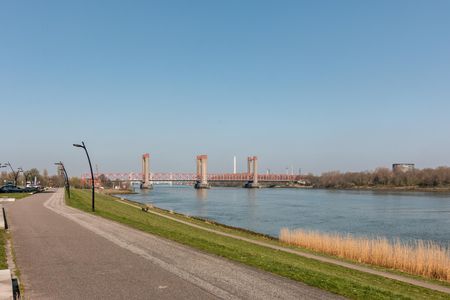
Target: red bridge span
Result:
[192, 177]
[201, 178]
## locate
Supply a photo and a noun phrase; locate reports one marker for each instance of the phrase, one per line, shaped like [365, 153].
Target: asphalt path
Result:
[63, 253]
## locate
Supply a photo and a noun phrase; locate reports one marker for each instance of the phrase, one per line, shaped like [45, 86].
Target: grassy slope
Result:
[339, 280]
[14, 195]
[270, 240]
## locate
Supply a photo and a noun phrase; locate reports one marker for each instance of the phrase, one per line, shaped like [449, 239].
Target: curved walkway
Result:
[64, 253]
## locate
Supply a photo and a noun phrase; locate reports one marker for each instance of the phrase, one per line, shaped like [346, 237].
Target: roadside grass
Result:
[349, 283]
[5, 237]
[3, 258]
[14, 266]
[14, 195]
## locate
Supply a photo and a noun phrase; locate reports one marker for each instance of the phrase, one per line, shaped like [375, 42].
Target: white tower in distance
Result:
[234, 165]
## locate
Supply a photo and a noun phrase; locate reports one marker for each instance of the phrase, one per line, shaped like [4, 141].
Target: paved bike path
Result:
[64, 253]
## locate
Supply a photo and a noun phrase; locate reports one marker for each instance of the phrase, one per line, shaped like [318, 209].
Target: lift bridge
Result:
[201, 178]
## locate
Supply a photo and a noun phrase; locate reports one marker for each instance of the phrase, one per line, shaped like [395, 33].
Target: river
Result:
[407, 216]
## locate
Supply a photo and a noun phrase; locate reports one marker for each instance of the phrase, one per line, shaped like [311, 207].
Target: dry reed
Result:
[424, 258]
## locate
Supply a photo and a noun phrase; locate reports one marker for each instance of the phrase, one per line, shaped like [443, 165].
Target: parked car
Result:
[30, 189]
[33, 189]
[11, 189]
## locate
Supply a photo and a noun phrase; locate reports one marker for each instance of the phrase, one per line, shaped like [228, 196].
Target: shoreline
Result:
[113, 192]
[409, 189]
[370, 188]
[201, 219]
[235, 228]
[279, 241]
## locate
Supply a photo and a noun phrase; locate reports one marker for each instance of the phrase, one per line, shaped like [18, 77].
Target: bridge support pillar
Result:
[252, 171]
[202, 167]
[146, 172]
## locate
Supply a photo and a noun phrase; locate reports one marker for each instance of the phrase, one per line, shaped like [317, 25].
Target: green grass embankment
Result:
[14, 195]
[336, 279]
[259, 237]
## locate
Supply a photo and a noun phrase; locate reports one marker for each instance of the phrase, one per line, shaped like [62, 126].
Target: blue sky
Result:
[317, 85]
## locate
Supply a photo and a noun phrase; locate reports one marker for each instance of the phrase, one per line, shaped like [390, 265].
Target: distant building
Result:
[402, 167]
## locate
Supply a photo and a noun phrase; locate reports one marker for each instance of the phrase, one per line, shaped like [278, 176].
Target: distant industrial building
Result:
[402, 167]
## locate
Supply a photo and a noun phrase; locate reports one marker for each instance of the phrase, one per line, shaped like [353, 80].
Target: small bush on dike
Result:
[424, 258]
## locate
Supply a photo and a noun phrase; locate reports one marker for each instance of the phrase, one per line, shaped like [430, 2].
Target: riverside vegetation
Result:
[423, 258]
[384, 178]
[349, 283]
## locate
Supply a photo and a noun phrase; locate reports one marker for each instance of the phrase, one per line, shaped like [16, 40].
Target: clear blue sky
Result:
[320, 85]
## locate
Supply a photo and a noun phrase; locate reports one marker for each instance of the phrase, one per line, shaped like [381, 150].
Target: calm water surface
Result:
[406, 216]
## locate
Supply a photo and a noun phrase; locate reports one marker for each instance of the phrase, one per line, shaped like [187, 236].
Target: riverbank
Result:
[367, 188]
[429, 261]
[337, 279]
[115, 192]
[391, 189]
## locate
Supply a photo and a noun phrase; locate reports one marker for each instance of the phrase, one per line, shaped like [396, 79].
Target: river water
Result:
[406, 216]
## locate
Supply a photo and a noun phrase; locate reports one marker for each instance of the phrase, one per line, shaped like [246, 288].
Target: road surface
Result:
[64, 253]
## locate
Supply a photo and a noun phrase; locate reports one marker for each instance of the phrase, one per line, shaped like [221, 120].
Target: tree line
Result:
[383, 177]
[380, 177]
[29, 176]
[76, 182]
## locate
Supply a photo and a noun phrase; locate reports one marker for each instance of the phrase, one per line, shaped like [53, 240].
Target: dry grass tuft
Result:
[424, 258]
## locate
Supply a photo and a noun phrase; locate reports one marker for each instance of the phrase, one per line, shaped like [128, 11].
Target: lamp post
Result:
[66, 178]
[2, 166]
[20, 170]
[92, 173]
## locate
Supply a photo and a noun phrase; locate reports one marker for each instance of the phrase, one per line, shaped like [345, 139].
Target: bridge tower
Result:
[252, 171]
[146, 172]
[202, 167]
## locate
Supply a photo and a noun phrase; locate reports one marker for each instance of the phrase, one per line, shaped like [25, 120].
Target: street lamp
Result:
[20, 170]
[66, 178]
[92, 173]
[2, 166]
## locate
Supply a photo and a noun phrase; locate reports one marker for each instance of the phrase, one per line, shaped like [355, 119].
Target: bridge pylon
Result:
[252, 171]
[202, 169]
[146, 172]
